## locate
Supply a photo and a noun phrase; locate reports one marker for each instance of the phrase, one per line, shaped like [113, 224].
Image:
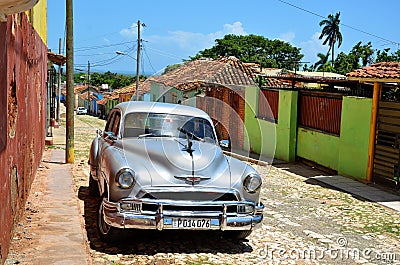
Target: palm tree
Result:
[323, 59]
[332, 32]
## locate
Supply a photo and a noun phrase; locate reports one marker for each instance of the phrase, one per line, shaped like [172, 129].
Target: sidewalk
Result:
[348, 185]
[58, 236]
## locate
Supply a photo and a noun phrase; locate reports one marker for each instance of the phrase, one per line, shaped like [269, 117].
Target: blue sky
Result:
[176, 30]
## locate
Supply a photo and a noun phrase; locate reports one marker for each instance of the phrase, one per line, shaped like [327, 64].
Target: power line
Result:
[147, 56]
[166, 54]
[101, 46]
[345, 25]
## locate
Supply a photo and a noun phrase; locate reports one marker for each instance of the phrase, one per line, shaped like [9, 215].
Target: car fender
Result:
[94, 158]
[239, 171]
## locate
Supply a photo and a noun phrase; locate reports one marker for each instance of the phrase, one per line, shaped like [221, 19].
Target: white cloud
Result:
[236, 28]
[288, 37]
[189, 41]
[312, 47]
[129, 32]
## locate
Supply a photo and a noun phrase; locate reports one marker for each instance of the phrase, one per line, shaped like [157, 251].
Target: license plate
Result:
[191, 223]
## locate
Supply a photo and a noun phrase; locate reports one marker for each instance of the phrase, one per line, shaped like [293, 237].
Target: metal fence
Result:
[320, 111]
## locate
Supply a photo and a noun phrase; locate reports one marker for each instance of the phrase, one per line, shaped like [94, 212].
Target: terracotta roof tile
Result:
[224, 71]
[382, 70]
[144, 87]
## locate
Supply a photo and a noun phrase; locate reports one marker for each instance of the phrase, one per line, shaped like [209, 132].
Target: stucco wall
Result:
[318, 147]
[260, 136]
[354, 136]
[347, 153]
[23, 74]
[38, 18]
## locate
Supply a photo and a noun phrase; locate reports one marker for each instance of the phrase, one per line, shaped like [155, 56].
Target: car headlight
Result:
[252, 183]
[125, 178]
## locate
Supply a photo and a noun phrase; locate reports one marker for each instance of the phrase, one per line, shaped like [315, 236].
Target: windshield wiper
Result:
[154, 135]
[190, 134]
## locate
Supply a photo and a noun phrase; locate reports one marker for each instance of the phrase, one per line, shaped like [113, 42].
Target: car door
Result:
[111, 130]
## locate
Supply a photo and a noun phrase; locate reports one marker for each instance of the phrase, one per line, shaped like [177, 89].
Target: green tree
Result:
[254, 49]
[363, 53]
[331, 32]
[320, 64]
[384, 56]
[359, 56]
[114, 80]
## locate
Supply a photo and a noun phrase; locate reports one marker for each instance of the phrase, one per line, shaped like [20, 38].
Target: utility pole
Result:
[70, 84]
[88, 82]
[59, 83]
[138, 61]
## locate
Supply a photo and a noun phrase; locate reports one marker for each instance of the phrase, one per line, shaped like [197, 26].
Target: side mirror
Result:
[109, 136]
[224, 144]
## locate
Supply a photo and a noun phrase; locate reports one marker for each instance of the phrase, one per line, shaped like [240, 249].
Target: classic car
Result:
[81, 110]
[160, 166]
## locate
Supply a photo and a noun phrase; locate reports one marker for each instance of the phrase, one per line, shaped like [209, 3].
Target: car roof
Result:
[159, 107]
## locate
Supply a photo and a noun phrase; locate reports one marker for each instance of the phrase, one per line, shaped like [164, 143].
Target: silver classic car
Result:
[159, 166]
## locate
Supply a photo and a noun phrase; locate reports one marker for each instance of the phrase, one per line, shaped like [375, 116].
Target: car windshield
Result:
[140, 125]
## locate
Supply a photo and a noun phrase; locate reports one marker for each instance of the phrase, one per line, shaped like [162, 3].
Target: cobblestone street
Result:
[304, 223]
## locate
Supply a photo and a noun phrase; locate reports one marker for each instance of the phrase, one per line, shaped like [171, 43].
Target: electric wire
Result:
[148, 59]
[345, 25]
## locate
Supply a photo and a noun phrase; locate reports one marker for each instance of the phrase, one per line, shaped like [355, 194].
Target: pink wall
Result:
[23, 74]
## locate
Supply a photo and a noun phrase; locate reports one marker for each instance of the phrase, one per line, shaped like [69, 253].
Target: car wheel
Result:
[107, 233]
[238, 235]
[93, 187]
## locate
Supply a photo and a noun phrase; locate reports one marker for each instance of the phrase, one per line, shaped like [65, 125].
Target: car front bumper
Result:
[161, 215]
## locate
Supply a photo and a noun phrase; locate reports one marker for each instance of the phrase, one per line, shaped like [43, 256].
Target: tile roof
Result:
[385, 71]
[107, 97]
[79, 88]
[224, 71]
[144, 87]
[127, 89]
[56, 58]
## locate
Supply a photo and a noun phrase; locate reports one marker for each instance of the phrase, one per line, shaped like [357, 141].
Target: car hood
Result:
[169, 164]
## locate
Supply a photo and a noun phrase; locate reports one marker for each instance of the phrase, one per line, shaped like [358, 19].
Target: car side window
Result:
[113, 122]
[115, 126]
[109, 122]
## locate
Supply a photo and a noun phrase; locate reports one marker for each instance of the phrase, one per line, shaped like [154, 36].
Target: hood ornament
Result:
[192, 179]
[188, 148]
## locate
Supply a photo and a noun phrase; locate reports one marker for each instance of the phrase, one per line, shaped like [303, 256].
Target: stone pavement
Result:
[362, 190]
[356, 188]
[59, 236]
[63, 237]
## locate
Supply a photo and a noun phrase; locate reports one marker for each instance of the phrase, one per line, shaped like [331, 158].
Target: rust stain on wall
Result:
[23, 75]
[12, 111]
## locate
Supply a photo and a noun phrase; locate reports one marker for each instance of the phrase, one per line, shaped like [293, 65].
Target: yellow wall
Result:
[38, 18]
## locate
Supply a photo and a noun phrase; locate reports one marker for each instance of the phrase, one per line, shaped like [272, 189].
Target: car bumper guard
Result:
[162, 219]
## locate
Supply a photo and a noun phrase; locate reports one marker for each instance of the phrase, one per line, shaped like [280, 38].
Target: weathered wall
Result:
[38, 18]
[23, 74]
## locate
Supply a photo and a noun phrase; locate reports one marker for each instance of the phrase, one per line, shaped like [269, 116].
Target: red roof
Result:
[224, 71]
[386, 71]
